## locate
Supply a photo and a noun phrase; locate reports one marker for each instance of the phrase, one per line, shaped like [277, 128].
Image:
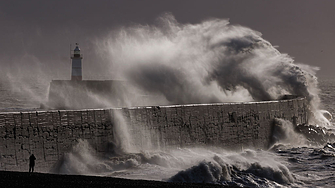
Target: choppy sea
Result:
[286, 164]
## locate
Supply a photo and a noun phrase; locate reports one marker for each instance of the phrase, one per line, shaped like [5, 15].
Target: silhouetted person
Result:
[32, 159]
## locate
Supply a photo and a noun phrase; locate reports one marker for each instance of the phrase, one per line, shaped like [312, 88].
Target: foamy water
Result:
[197, 165]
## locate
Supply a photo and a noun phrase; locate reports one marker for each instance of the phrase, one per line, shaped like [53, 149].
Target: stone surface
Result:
[50, 134]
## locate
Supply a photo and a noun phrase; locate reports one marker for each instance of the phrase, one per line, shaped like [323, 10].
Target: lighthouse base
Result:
[72, 94]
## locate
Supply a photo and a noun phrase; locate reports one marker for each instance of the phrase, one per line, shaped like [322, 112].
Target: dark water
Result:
[289, 163]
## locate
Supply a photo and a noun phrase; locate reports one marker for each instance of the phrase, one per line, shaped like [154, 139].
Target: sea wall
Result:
[51, 134]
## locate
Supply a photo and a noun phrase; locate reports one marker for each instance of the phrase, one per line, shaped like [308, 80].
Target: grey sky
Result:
[42, 30]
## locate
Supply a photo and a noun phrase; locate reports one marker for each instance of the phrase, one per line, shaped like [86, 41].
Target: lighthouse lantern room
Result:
[76, 57]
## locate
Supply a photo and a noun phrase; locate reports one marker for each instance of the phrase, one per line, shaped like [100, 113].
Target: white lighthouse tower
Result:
[76, 64]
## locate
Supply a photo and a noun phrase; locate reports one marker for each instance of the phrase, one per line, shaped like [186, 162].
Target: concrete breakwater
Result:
[51, 134]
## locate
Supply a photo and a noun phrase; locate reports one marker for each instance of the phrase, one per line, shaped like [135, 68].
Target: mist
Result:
[211, 61]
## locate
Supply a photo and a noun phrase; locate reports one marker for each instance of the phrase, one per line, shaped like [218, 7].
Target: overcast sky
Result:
[38, 33]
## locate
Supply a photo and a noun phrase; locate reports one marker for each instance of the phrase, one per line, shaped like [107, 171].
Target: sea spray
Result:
[75, 95]
[35, 88]
[133, 137]
[122, 140]
[284, 132]
[249, 168]
[211, 61]
[177, 59]
[81, 160]
[197, 165]
[84, 160]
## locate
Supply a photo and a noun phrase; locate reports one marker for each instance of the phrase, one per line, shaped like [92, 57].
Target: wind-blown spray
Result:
[212, 61]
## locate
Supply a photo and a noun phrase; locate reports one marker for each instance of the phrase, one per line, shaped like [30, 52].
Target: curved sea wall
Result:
[51, 134]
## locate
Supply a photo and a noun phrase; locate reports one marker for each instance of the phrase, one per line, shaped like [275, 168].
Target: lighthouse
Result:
[76, 57]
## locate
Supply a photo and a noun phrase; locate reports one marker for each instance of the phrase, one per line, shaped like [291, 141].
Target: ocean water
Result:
[299, 162]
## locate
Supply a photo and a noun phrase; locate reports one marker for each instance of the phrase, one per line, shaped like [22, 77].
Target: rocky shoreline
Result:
[25, 179]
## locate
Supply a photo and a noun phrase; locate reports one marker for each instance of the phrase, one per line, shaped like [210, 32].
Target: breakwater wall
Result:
[51, 134]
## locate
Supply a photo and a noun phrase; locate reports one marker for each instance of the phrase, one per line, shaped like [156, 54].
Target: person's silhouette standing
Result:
[32, 159]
